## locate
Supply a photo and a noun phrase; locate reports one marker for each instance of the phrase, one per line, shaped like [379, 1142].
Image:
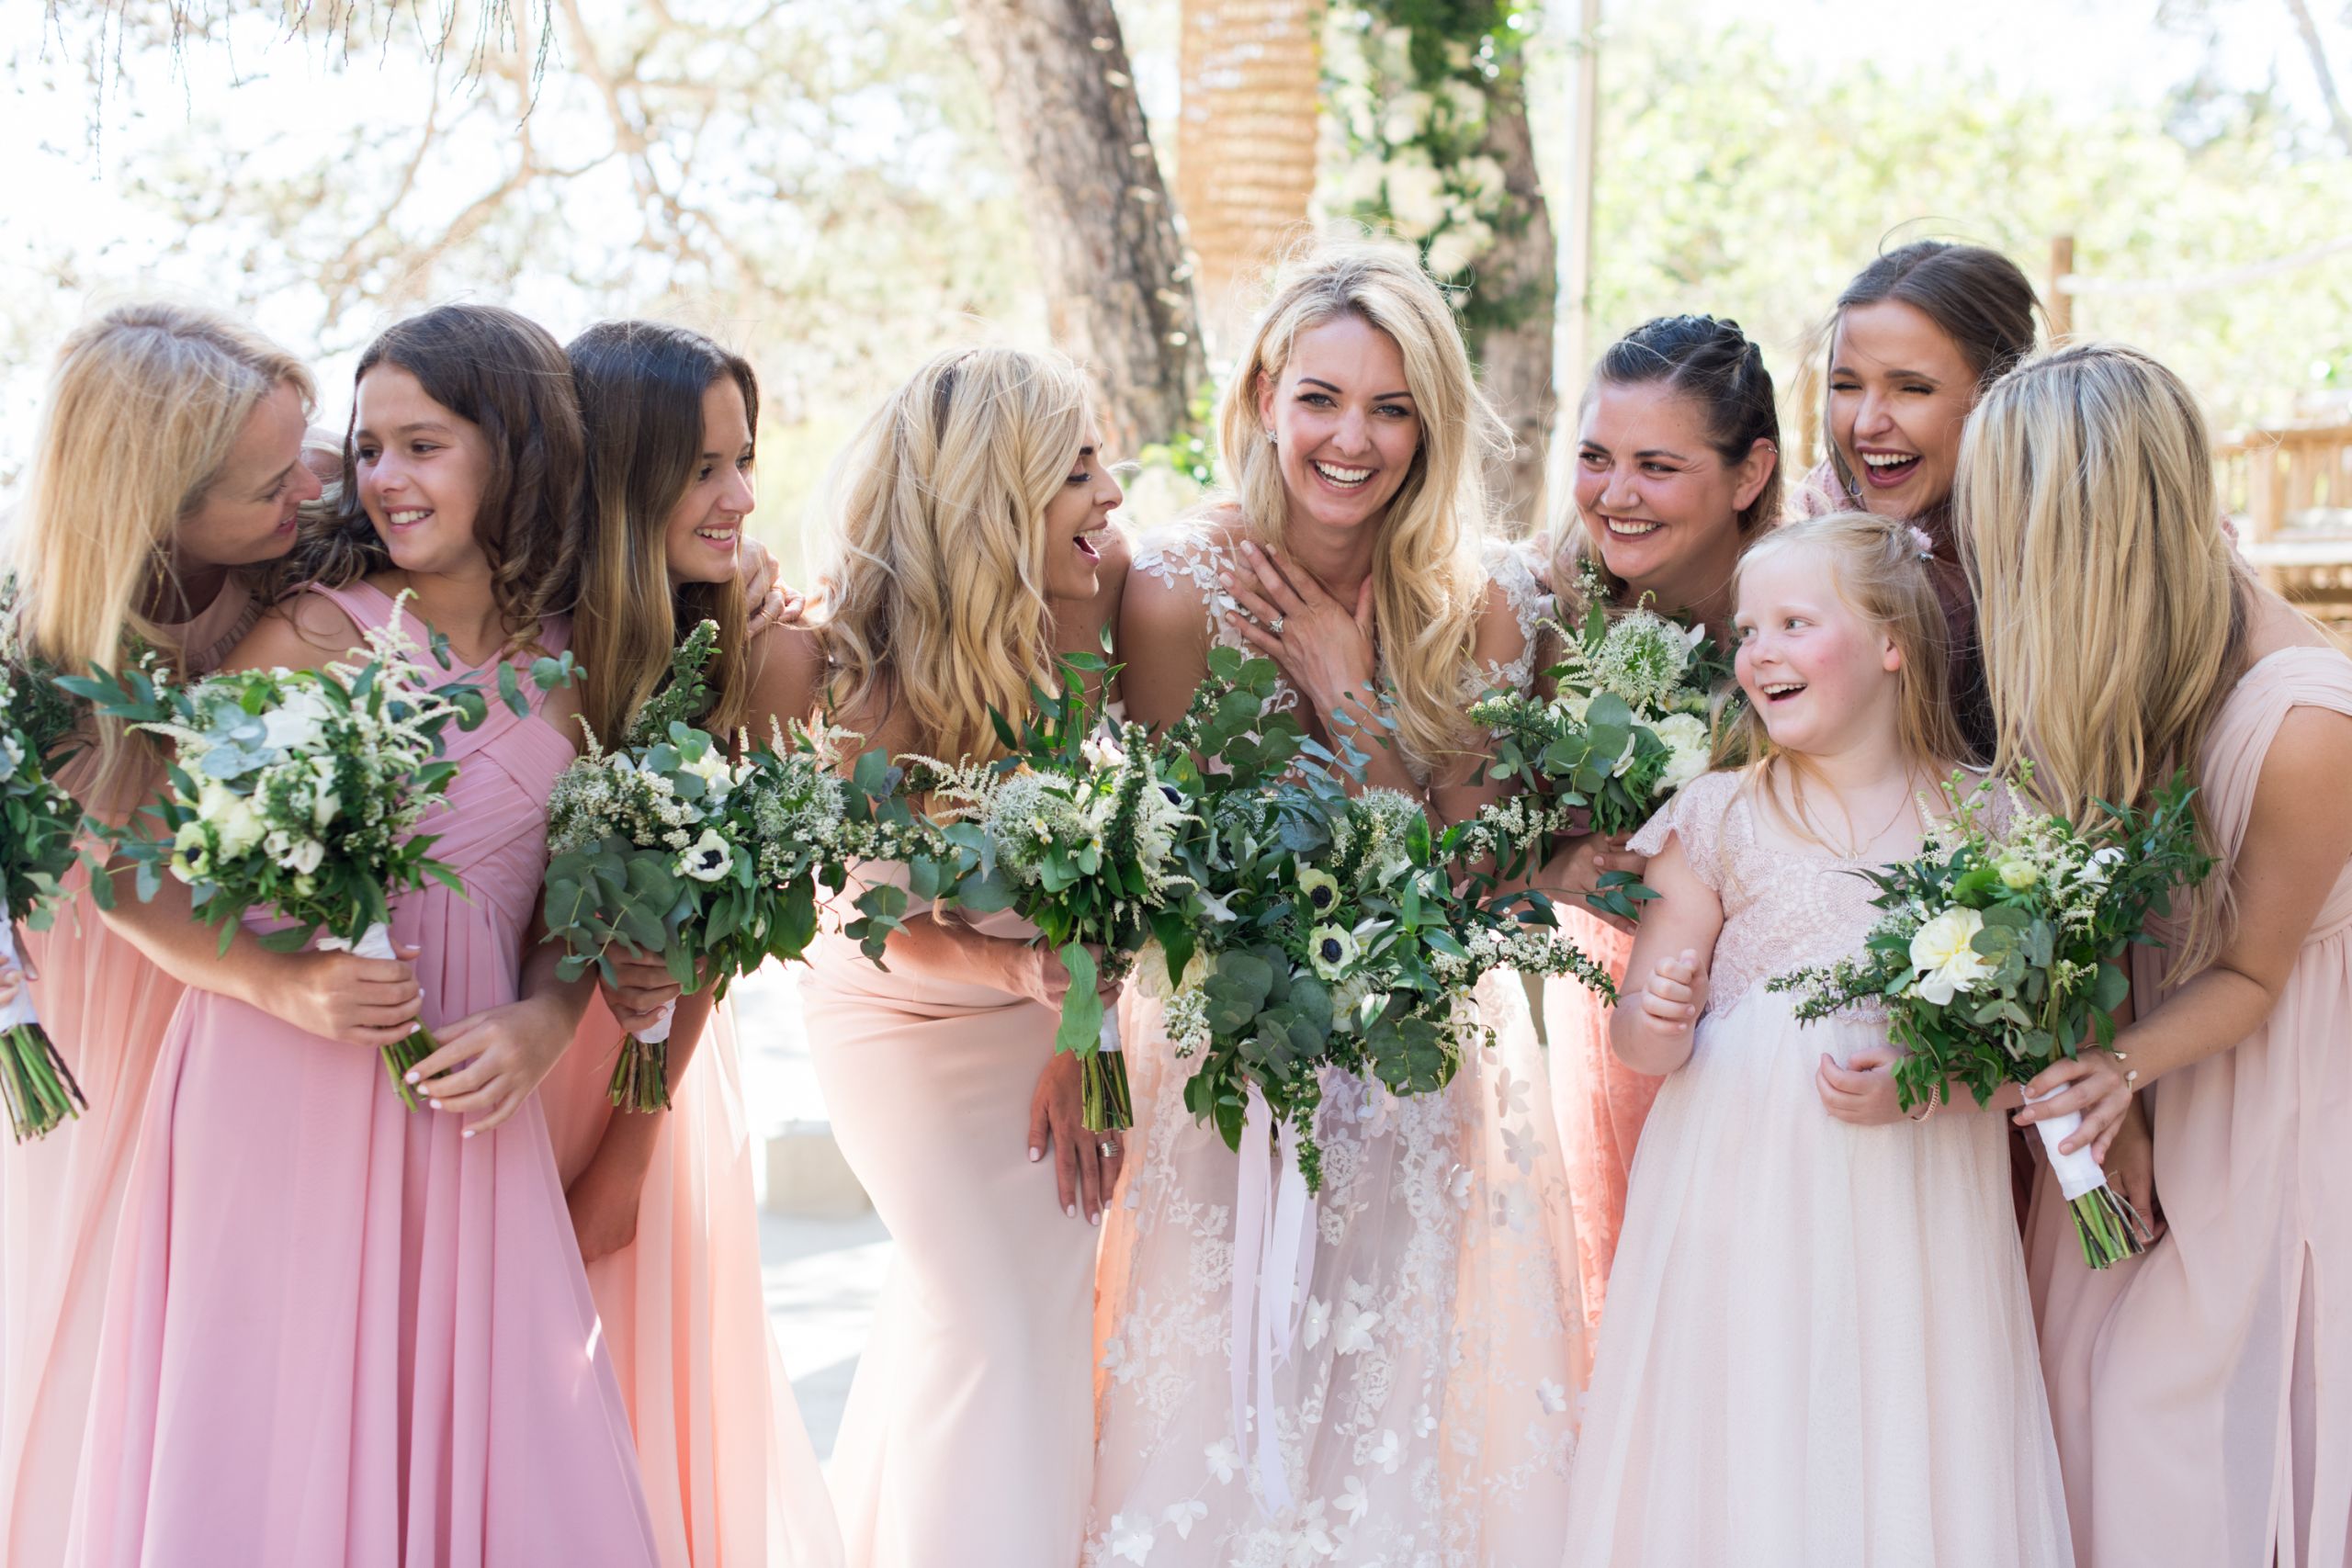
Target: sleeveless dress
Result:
[336, 1330]
[2203, 1393]
[966, 1436]
[730, 1475]
[1425, 1412]
[1819, 1351]
[106, 1007]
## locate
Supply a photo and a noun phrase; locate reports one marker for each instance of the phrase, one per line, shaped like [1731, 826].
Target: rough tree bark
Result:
[1515, 360]
[1118, 288]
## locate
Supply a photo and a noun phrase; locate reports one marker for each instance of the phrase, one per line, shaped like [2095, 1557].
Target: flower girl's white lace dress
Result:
[1424, 1414]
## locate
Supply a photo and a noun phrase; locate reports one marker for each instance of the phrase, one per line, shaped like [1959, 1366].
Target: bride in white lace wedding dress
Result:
[1424, 1413]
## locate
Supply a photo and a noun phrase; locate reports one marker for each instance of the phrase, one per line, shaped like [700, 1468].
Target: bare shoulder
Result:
[787, 668]
[302, 632]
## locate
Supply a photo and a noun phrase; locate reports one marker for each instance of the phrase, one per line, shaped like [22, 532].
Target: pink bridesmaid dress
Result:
[968, 1436]
[1601, 1103]
[106, 1007]
[336, 1330]
[730, 1476]
[2202, 1393]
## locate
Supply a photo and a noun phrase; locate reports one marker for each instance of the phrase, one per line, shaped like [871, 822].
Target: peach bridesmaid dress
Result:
[968, 1435]
[1600, 1101]
[730, 1475]
[336, 1330]
[106, 1007]
[2202, 1391]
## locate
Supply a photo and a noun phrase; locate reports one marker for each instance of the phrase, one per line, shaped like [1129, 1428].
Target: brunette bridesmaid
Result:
[339, 1330]
[2203, 1412]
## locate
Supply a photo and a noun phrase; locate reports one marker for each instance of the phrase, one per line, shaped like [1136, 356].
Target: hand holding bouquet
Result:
[2000, 953]
[37, 849]
[301, 791]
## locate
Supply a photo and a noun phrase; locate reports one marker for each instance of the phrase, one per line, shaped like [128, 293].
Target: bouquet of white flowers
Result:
[301, 791]
[36, 852]
[1627, 725]
[1999, 953]
[670, 846]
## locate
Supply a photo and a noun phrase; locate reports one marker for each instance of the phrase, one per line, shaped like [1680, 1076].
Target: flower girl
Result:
[1820, 1351]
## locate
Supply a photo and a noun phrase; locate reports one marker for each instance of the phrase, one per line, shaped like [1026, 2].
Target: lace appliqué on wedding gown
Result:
[1424, 1417]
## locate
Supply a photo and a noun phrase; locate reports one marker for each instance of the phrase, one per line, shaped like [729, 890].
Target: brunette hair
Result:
[641, 386]
[508, 375]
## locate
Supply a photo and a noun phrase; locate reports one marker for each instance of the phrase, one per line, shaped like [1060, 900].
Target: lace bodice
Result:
[1784, 907]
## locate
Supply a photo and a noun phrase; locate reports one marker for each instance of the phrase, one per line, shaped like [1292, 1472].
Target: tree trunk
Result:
[1515, 360]
[1118, 290]
[1246, 143]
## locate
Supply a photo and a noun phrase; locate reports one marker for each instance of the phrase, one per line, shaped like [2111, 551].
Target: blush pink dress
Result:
[336, 1331]
[1601, 1104]
[2203, 1390]
[730, 1475]
[106, 1007]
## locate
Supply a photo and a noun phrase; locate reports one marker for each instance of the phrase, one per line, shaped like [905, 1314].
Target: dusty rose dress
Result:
[1601, 1104]
[106, 1007]
[336, 1331]
[2203, 1392]
[730, 1475]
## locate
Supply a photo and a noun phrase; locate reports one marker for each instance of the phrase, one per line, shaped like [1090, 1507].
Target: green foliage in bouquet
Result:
[39, 821]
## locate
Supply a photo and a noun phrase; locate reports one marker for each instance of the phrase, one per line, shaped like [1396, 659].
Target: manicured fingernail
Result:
[1071, 1208]
[435, 1103]
[1095, 1218]
[468, 1133]
[1035, 1155]
[416, 1077]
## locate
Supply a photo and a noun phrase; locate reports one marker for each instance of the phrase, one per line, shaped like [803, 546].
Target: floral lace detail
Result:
[1508, 569]
[1197, 553]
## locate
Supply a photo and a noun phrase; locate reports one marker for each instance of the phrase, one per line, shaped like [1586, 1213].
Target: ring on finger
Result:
[1108, 1148]
[1275, 626]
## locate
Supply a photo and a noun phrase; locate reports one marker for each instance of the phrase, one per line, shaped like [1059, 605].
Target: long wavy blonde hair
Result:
[2086, 517]
[145, 402]
[931, 596]
[1429, 585]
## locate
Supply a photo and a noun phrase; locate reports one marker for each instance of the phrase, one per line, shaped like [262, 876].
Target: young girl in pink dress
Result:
[154, 524]
[1678, 467]
[1819, 1351]
[339, 1330]
[2203, 1404]
[662, 1203]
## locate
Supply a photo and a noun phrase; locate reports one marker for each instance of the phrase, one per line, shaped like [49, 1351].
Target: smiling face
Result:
[1820, 676]
[421, 470]
[705, 528]
[1900, 389]
[1345, 425]
[247, 515]
[1075, 521]
[1661, 505]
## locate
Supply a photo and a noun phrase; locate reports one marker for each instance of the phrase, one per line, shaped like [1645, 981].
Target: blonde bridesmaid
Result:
[971, 537]
[2203, 1408]
[166, 476]
[1677, 469]
[337, 1329]
[662, 1203]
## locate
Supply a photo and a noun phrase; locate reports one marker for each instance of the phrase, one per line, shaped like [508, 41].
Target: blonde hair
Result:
[144, 404]
[2086, 518]
[1878, 569]
[933, 595]
[1428, 586]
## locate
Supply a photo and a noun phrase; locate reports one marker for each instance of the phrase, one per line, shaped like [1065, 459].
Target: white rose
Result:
[299, 723]
[1688, 753]
[1947, 961]
[716, 774]
[231, 815]
[305, 857]
[1101, 751]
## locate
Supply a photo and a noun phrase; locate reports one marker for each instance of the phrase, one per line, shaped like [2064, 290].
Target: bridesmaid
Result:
[971, 538]
[339, 1330]
[2201, 1399]
[1912, 343]
[154, 526]
[1677, 469]
[662, 1203]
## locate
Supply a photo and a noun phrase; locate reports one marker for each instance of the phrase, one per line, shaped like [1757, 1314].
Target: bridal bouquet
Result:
[1999, 953]
[672, 846]
[301, 791]
[1626, 725]
[1079, 832]
[36, 852]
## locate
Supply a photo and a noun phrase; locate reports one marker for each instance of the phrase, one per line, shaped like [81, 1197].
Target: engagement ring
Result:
[1108, 1148]
[1275, 626]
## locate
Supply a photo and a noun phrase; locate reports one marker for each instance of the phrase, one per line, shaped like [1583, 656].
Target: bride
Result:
[1422, 1413]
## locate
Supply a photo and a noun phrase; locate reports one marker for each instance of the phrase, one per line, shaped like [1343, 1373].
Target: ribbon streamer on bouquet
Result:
[657, 1032]
[1274, 1264]
[2078, 1172]
[1107, 1038]
[376, 941]
[18, 1013]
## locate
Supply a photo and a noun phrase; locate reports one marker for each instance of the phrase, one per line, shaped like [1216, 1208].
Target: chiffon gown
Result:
[1601, 1103]
[104, 1008]
[730, 1476]
[1819, 1350]
[966, 1436]
[2201, 1390]
[1425, 1414]
[336, 1330]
